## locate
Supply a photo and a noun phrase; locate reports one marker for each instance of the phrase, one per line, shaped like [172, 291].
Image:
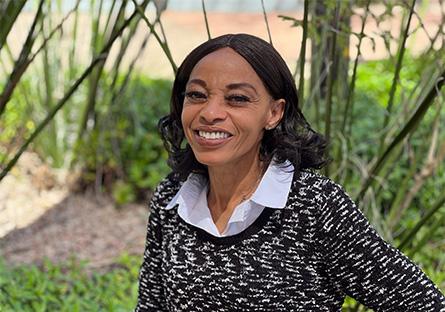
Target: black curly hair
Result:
[293, 139]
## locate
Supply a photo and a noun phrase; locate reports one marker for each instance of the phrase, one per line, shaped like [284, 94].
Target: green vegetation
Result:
[123, 154]
[68, 287]
[126, 144]
[384, 120]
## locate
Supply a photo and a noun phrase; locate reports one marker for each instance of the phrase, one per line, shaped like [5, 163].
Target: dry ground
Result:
[84, 226]
[41, 218]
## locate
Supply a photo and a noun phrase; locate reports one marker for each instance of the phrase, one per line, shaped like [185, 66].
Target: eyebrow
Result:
[200, 82]
[239, 85]
[231, 86]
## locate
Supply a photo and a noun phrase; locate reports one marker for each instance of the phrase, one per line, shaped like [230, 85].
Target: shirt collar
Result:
[272, 191]
[275, 185]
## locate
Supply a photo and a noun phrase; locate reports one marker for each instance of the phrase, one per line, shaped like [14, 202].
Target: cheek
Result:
[251, 123]
[186, 116]
[183, 119]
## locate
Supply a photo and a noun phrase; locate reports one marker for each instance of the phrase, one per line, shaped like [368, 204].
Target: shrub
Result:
[68, 287]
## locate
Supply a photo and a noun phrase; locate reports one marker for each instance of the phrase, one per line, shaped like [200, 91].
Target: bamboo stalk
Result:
[107, 23]
[422, 222]
[115, 100]
[72, 52]
[432, 229]
[96, 75]
[24, 61]
[396, 77]
[409, 127]
[67, 95]
[124, 47]
[47, 96]
[350, 99]
[431, 163]
[331, 81]
[267, 23]
[303, 54]
[163, 44]
[96, 40]
[318, 68]
[8, 16]
[205, 19]
[349, 107]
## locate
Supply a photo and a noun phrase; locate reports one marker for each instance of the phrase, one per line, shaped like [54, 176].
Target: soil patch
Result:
[85, 226]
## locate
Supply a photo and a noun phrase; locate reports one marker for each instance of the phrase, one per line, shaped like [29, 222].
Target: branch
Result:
[409, 127]
[67, 96]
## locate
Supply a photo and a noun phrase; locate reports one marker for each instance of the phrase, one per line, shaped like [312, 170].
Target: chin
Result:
[212, 160]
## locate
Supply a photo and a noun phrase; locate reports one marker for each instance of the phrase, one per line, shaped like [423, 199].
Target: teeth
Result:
[213, 135]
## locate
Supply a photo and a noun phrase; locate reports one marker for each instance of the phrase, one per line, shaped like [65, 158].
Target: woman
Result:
[242, 223]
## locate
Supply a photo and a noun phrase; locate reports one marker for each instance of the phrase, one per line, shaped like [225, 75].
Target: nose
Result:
[213, 110]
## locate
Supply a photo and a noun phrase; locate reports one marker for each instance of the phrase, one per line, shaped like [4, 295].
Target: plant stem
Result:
[437, 205]
[205, 19]
[8, 16]
[303, 54]
[330, 82]
[396, 77]
[163, 44]
[67, 96]
[349, 101]
[267, 23]
[22, 62]
[409, 127]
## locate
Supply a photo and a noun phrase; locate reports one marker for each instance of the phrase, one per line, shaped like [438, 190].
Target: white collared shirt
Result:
[271, 192]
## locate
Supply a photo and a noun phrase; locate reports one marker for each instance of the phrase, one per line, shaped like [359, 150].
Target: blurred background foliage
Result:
[384, 119]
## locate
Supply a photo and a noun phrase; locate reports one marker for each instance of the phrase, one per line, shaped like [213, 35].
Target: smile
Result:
[214, 135]
[212, 139]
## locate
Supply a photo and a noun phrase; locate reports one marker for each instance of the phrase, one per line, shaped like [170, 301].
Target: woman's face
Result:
[226, 109]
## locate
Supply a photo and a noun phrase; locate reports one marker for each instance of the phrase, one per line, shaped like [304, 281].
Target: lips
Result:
[211, 136]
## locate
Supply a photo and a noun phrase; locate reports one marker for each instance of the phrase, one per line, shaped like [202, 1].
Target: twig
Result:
[303, 54]
[267, 23]
[67, 96]
[23, 62]
[349, 100]
[331, 81]
[395, 80]
[163, 44]
[205, 19]
[409, 127]
[437, 205]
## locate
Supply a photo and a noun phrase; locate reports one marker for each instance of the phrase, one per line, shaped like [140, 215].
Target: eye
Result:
[238, 98]
[196, 96]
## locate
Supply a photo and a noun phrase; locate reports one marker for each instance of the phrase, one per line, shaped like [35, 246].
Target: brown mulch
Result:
[82, 225]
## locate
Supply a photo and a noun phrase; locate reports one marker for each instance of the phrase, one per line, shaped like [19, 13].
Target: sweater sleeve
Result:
[151, 296]
[367, 268]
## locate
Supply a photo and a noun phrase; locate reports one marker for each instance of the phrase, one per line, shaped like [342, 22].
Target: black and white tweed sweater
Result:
[305, 257]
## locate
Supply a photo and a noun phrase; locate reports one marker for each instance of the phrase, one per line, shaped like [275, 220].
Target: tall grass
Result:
[384, 119]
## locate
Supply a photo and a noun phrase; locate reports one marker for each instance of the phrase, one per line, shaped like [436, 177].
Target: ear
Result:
[276, 113]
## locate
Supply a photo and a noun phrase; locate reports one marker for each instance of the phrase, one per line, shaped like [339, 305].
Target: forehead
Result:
[225, 64]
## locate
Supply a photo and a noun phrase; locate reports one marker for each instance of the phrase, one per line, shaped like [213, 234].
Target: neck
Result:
[231, 184]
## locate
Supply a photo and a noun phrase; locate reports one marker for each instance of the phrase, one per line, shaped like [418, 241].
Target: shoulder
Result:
[165, 191]
[325, 196]
[336, 214]
[317, 186]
